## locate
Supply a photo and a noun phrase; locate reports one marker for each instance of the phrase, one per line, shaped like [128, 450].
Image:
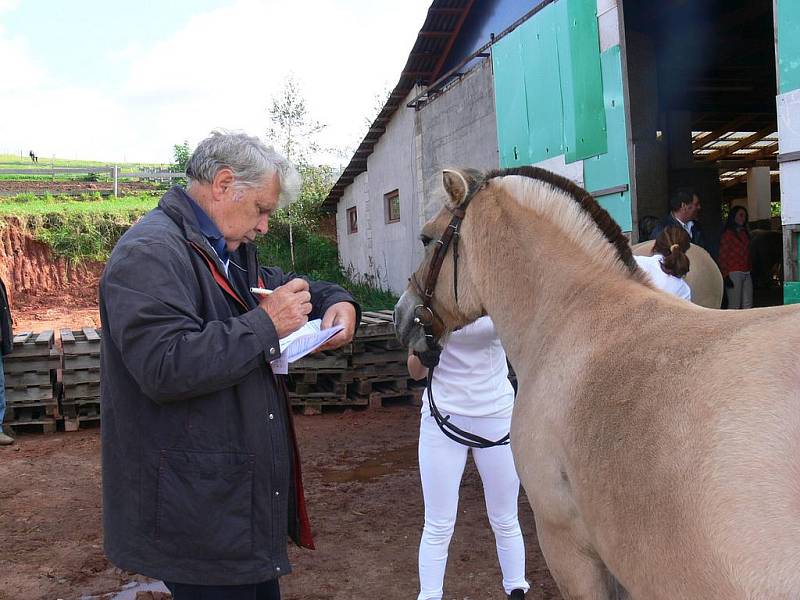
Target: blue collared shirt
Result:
[211, 232]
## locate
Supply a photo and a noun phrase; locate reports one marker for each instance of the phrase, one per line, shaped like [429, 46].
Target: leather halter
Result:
[425, 316]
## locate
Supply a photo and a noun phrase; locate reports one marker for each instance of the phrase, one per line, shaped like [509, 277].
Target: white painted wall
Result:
[355, 249]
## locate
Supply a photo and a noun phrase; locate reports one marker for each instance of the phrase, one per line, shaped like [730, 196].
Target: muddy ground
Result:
[363, 491]
[364, 499]
[10, 187]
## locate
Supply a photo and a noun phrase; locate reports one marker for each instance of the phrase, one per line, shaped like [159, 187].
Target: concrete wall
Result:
[355, 249]
[391, 167]
[457, 129]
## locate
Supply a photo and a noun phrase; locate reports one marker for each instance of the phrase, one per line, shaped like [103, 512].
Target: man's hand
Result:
[288, 306]
[341, 313]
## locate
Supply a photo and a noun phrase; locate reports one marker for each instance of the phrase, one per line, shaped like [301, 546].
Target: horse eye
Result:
[424, 239]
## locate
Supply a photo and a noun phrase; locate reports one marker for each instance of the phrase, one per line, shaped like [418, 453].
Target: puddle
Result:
[130, 590]
[385, 463]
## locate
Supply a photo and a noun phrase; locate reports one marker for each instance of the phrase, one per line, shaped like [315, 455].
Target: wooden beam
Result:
[434, 34]
[456, 30]
[743, 143]
[727, 128]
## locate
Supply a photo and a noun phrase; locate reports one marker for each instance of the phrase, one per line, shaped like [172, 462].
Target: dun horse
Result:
[658, 441]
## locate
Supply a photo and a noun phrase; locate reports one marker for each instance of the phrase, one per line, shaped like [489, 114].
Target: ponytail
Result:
[673, 243]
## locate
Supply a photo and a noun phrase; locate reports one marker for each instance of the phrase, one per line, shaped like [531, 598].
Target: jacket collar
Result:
[177, 205]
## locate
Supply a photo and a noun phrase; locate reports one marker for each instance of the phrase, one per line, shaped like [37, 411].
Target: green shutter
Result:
[552, 61]
[788, 24]
[610, 170]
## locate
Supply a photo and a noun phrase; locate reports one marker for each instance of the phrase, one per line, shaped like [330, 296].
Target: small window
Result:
[391, 202]
[352, 220]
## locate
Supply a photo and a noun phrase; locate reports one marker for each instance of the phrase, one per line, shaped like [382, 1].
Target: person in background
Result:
[6, 344]
[471, 385]
[734, 259]
[684, 211]
[669, 264]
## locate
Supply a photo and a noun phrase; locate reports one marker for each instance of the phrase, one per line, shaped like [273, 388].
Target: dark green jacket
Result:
[200, 483]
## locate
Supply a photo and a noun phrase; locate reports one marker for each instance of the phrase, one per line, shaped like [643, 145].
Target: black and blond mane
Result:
[607, 226]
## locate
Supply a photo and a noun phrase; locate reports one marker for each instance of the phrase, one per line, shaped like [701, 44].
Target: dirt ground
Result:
[363, 491]
[70, 187]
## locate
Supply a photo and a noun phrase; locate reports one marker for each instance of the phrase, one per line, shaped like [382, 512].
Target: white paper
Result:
[303, 341]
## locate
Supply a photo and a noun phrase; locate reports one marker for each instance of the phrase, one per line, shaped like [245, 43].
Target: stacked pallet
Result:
[80, 377]
[378, 364]
[29, 372]
[318, 380]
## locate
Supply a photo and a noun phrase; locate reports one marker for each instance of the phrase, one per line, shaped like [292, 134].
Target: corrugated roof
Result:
[425, 62]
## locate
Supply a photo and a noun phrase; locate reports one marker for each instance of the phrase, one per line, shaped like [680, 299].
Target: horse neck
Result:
[536, 285]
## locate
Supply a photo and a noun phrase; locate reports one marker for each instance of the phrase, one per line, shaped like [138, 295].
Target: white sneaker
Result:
[5, 439]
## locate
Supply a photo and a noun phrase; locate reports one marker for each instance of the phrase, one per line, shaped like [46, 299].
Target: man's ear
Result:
[222, 185]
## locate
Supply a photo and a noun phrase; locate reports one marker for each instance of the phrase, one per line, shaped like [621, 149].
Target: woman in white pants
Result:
[471, 385]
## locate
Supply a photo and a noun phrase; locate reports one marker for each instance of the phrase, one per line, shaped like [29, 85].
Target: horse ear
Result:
[456, 186]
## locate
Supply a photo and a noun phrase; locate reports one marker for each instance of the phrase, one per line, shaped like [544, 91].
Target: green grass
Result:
[13, 161]
[318, 258]
[88, 227]
[84, 228]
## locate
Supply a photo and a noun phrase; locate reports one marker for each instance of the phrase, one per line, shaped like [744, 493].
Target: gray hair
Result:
[250, 160]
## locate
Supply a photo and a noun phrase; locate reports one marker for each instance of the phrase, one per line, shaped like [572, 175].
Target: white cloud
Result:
[220, 69]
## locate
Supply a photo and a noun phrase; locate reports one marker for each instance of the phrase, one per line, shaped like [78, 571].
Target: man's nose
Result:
[263, 225]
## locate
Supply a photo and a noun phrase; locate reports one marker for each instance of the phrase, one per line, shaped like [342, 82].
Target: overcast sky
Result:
[124, 80]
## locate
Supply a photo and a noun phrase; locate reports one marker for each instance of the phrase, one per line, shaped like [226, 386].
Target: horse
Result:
[657, 440]
[704, 277]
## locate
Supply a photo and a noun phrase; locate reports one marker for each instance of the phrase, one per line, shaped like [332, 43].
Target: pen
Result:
[261, 291]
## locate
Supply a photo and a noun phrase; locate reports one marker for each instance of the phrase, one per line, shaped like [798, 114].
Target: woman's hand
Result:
[416, 369]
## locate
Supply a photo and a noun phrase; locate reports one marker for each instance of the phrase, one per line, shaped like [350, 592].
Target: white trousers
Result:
[441, 465]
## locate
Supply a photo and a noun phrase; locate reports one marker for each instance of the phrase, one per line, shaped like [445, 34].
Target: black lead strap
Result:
[454, 432]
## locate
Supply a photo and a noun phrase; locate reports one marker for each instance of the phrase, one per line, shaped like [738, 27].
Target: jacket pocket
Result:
[205, 504]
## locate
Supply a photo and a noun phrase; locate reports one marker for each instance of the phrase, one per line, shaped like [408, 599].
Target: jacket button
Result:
[271, 416]
[278, 569]
[277, 493]
[272, 351]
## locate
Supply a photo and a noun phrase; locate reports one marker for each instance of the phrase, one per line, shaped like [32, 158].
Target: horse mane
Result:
[588, 206]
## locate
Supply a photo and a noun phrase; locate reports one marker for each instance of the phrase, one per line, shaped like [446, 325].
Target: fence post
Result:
[115, 171]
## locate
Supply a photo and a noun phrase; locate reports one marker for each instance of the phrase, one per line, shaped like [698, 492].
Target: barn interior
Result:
[702, 88]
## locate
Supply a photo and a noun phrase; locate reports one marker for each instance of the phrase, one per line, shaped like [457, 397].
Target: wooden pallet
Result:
[82, 412]
[31, 412]
[34, 394]
[31, 345]
[386, 393]
[375, 324]
[328, 361]
[387, 357]
[76, 391]
[366, 387]
[316, 406]
[81, 348]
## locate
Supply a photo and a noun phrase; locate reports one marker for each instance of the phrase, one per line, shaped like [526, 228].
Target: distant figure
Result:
[34, 158]
[684, 209]
[734, 259]
[669, 264]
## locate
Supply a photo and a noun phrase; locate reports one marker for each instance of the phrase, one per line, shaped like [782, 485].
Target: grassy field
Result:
[13, 161]
[88, 227]
[83, 228]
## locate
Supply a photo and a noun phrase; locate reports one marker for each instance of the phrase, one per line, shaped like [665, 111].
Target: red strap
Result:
[306, 540]
[219, 277]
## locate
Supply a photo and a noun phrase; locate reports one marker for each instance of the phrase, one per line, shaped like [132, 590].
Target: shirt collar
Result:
[210, 231]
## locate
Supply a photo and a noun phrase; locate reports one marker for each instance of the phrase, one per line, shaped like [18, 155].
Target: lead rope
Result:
[454, 432]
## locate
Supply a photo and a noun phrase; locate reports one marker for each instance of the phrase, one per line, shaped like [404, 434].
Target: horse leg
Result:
[578, 571]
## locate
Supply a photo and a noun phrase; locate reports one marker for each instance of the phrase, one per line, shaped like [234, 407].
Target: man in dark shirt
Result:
[201, 476]
[684, 211]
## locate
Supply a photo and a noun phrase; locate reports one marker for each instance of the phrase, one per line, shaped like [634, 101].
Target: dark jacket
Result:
[6, 330]
[698, 238]
[200, 482]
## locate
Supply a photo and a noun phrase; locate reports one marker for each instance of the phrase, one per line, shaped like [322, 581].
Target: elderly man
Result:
[684, 209]
[201, 477]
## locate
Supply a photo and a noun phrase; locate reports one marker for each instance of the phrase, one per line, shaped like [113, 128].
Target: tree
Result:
[295, 133]
[181, 154]
[293, 130]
